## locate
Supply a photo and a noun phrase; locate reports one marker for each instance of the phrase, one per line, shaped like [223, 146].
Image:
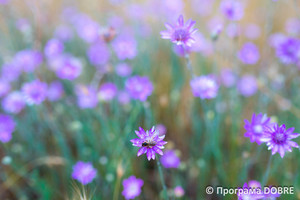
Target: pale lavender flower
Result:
[228, 78]
[98, 54]
[34, 92]
[84, 172]
[276, 39]
[53, 48]
[7, 126]
[87, 29]
[233, 10]
[63, 32]
[124, 98]
[181, 33]
[178, 191]
[150, 142]
[289, 51]
[247, 85]
[255, 193]
[10, 72]
[4, 87]
[125, 47]
[170, 159]
[14, 102]
[249, 54]
[107, 91]
[28, 60]
[123, 69]
[252, 31]
[55, 91]
[68, 67]
[86, 96]
[255, 128]
[204, 87]
[162, 130]
[279, 140]
[139, 87]
[132, 187]
[292, 26]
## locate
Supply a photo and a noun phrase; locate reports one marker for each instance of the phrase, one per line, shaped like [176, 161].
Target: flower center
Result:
[180, 35]
[279, 137]
[258, 129]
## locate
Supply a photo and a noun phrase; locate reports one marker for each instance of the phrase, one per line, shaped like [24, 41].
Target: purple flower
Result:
[292, 26]
[255, 128]
[276, 39]
[4, 88]
[86, 96]
[123, 69]
[53, 48]
[84, 172]
[228, 78]
[14, 102]
[132, 187]
[139, 87]
[252, 191]
[233, 10]
[123, 98]
[34, 92]
[150, 142]
[7, 126]
[289, 51]
[68, 67]
[170, 159]
[178, 191]
[107, 91]
[87, 29]
[55, 91]
[180, 33]
[162, 130]
[63, 32]
[125, 47]
[10, 72]
[204, 87]
[278, 139]
[98, 54]
[247, 85]
[28, 60]
[249, 54]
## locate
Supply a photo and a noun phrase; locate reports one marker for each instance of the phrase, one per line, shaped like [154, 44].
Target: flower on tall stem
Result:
[132, 187]
[84, 172]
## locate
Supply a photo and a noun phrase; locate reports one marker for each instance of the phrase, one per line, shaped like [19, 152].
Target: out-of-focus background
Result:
[110, 41]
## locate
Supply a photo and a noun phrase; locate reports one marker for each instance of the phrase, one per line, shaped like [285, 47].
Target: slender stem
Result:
[188, 62]
[266, 176]
[162, 180]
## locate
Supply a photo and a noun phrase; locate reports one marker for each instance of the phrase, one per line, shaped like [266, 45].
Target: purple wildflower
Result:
[139, 87]
[228, 78]
[98, 54]
[180, 33]
[68, 67]
[55, 91]
[132, 187]
[255, 128]
[278, 139]
[63, 32]
[252, 191]
[162, 130]
[204, 87]
[28, 60]
[123, 98]
[247, 85]
[289, 51]
[233, 30]
[233, 10]
[170, 159]
[86, 96]
[150, 142]
[4, 88]
[87, 29]
[125, 47]
[35, 92]
[107, 91]
[249, 54]
[10, 72]
[123, 69]
[84, 172]
[53, 48]
[178, 191]
[7, 126]
[13, 102]
[292, 26]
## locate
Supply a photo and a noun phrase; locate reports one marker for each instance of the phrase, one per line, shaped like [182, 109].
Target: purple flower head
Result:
[252, 31]
[276, 39]
[228, 78]
[98, 54]
[4, 88]
[150, 142]
[178, 191]
[68, 67]
[7, 126]
[107, 91]
[86, 97]
[233, 10]
[255, 128]
[132, 187]
[289, 51]
[204, 87]
[123, 69]
[247, 85]
[53, 48]
[34, 92]
[125, 47]
[55, 91]
[249, 54]
[63, 32]
[123, 98]
[162, 130]
[84, 172]
[252, 191]
[10, 72]
[278, 139]
[181, 33]
[139, 87]
[13, 102]
[170, 159]
[28, 60]
[292, 26]
[87, 29]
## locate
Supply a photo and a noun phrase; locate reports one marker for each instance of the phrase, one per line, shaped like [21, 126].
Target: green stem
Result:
[266, 176]
[162, 180]
[188, 62]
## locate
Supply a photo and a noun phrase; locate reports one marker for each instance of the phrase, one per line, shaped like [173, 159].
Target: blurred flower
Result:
[178, 191]
[252, 31]
[170, 8]
[216, 32]
[7, 126]
[125, 47]
[170, 159]
[10, 71]
[256, 127]
[180, 33]
[84, 172]
[4, 2]
[55, 91]
[132, 187]
[276, 39]
[67, 67]
[292, 26]
[123, 69]
[247, 85]
[53, 47]
[86, 96]
[28, 60]
[278, 139]
[162, 130]
[87, 29]
[204, 87]
[123, 98]
[252, 191]
[63, 32]
[34, 92]
[4, 87]
[14, 102]
[228, 78]
[233, 10]
[249, 54]
[139, 87]
[107, 91]
[271, 193]
[289, 51]
[98, 54]
[150, 142]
